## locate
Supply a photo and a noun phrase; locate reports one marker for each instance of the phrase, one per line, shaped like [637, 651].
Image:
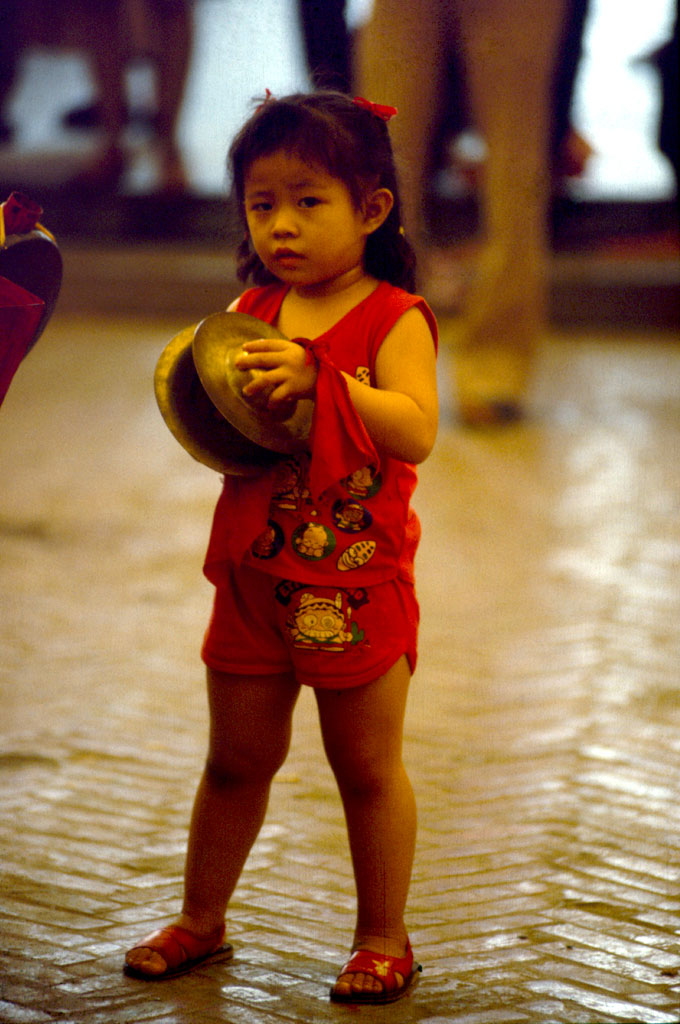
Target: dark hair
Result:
[351, 143]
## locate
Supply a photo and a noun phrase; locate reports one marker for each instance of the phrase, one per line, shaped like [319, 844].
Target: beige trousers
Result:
[509, 48]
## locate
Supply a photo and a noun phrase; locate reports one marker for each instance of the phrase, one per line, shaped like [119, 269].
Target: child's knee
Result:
[368, 775]
[247, 765]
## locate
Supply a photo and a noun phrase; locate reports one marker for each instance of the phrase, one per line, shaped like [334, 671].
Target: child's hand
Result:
[285, 373]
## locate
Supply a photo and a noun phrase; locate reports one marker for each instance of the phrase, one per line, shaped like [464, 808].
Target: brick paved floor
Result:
[543, 731]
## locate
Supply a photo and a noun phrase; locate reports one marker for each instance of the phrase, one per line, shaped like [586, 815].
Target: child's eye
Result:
[261, 206]
[310, 201]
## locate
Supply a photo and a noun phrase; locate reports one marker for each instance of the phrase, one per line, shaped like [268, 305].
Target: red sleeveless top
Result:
[340, 514]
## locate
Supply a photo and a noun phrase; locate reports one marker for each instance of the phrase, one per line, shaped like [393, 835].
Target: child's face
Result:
[303, 223]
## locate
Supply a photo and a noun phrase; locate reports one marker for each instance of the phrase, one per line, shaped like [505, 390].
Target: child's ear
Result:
[377, 209]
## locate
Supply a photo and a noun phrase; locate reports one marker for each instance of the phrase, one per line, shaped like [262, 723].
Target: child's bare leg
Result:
[250, 725]
[362, 729]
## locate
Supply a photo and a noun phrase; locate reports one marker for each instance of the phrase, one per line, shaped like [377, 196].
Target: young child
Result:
[313, 561]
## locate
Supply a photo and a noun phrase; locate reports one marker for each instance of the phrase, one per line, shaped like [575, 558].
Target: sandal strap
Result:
[381, 966]
[177, 945]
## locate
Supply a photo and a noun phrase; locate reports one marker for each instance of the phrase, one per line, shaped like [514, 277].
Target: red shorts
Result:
[329, 637]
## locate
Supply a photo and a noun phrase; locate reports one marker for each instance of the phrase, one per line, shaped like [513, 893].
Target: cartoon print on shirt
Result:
[356, 555]
[363, 483]
[320, 624]
[313, 541]
[363, 375]
[269, 542]
[288, 491]
[350, 516]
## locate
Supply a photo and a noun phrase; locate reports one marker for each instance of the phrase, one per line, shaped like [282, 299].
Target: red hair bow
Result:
[384, 113]
[267, 97]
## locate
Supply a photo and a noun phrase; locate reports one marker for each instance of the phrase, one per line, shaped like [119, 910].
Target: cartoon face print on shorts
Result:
[313, 541]
[322, 624]
[363, 483]
[350, 516]
[269, 542]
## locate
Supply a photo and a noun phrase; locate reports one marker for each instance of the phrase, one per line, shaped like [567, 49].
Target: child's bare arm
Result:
[401, 413]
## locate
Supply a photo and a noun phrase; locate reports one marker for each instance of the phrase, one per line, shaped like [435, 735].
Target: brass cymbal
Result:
[216, 343]
[193, 419]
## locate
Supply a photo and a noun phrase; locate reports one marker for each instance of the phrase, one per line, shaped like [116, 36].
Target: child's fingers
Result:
[282, 391]
[263, 354]
[265, 345]
[279, 377]
[259, 383]
[257, 360]
[266, 381]
[277, 387]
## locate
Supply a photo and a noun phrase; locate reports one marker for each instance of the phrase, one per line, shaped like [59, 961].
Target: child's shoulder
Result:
[389, 304]
[263, 301]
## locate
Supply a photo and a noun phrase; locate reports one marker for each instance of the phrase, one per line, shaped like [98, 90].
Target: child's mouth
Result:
[287, 256]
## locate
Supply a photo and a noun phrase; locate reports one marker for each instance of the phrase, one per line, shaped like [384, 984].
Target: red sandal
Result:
[181, 950]
[384, 968]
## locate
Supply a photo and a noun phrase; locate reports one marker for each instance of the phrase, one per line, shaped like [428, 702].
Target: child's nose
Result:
[284, 223]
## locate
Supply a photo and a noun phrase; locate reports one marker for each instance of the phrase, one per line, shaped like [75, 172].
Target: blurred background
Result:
[225, 52]
[239, 48]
